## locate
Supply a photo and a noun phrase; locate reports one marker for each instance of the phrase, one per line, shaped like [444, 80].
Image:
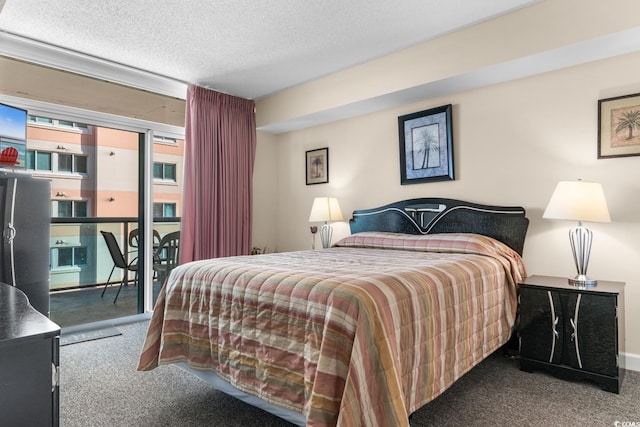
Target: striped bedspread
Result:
[361, 334]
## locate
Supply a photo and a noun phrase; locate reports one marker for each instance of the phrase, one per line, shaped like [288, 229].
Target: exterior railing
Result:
[79, 256]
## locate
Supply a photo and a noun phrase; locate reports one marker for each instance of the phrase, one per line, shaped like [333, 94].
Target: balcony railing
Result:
[79, 255]
[80, 263]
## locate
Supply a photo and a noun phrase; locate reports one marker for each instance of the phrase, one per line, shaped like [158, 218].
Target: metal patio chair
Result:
[118, 261]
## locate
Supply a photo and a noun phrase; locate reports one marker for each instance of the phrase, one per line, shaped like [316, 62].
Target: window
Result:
[38, 160]
[65, 209]
[59, 123]
[68, 257]
[71, 208]
[164, 140]
[164, 171]
[80, 164]
[72, 163]
[40, 120]
[66, 163]
[164, 210]
[158, 171]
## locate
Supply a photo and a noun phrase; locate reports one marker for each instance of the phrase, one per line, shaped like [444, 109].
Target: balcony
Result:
[80, 266]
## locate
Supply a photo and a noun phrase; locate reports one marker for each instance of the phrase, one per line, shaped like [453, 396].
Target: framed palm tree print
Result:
[426, 146]
[317, 166]
[619, 126]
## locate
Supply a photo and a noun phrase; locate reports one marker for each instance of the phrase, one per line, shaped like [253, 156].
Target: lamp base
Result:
[581, 238]
[582, 281]
[325, 235]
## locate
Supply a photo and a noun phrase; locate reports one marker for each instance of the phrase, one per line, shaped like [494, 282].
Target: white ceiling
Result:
[247, 48]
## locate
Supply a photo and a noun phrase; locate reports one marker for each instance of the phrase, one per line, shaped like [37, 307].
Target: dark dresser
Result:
[29, 363]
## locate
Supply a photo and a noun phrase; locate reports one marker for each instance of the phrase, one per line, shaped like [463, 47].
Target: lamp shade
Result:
[325, 209]
[578, 201]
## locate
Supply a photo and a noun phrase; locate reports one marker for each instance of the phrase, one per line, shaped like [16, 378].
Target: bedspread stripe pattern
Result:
[361, 334]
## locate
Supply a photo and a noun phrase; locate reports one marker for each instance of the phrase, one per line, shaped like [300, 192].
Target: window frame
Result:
[74, 266]
[66, 124]
[163, 206]
[164, 166]
[54, 162]
[55, 208]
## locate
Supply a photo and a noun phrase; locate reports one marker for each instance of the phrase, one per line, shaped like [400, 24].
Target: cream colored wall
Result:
[265, 193]
[527, 33]
[512, 143]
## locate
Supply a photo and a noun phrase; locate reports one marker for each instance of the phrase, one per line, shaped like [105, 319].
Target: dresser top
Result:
[19, 320]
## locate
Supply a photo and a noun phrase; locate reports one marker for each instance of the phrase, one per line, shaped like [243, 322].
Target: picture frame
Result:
[426, 146]
[619, 126]
[317, 166]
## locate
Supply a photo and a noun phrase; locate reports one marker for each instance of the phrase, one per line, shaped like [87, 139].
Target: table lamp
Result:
[325, 209]
[583, 202]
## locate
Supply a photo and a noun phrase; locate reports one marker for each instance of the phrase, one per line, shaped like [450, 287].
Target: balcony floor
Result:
[85, 305]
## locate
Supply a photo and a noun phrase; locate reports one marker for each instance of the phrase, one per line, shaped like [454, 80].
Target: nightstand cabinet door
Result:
[541, 325]
[594, 332]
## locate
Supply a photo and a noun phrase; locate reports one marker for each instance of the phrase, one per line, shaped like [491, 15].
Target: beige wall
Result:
[548, 34]
[512, 143]
[265, 193]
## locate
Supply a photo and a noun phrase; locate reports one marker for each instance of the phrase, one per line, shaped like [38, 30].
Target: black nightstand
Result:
[570, 332]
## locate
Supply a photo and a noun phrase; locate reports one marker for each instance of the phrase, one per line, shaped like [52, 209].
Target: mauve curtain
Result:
[220, 150]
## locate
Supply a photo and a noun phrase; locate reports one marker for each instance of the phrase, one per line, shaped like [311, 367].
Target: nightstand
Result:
[570, 332]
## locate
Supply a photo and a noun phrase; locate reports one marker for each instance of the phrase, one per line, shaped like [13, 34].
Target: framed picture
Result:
[619, 126]
[426, 146]
[317, 166]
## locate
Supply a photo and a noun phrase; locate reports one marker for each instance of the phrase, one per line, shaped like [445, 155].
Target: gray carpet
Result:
[100, 387]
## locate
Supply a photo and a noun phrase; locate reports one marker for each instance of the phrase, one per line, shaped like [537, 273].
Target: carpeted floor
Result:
[100, 387]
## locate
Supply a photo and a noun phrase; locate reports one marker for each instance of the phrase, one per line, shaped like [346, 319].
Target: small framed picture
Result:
[317, 166]
[426, 146]
[619, 126]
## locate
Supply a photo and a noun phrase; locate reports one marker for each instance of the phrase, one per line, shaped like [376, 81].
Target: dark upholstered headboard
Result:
[435, 215]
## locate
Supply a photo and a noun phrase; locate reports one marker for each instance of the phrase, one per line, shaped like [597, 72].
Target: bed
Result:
[363, 333]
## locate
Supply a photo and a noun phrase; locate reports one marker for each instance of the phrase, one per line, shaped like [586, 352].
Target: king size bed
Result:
[361, 334]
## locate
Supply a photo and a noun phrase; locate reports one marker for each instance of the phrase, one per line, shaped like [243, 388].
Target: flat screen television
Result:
[13, 137]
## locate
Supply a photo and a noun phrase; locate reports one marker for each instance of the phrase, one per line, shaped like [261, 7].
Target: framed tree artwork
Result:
[317, 166]
[426, 146]
[619, 126]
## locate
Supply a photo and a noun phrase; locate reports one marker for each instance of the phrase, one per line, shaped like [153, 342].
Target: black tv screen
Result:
[13, 136]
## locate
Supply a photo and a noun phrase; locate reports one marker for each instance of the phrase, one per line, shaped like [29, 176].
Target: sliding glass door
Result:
[105, 180]
[94, 174]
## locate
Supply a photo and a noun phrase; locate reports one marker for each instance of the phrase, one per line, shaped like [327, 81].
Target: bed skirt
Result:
[219, 384]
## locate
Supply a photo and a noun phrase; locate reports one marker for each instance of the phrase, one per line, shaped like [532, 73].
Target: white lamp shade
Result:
[578, 201]
[325, 209]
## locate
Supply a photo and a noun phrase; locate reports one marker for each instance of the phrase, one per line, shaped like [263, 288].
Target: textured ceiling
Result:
[246, 48]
